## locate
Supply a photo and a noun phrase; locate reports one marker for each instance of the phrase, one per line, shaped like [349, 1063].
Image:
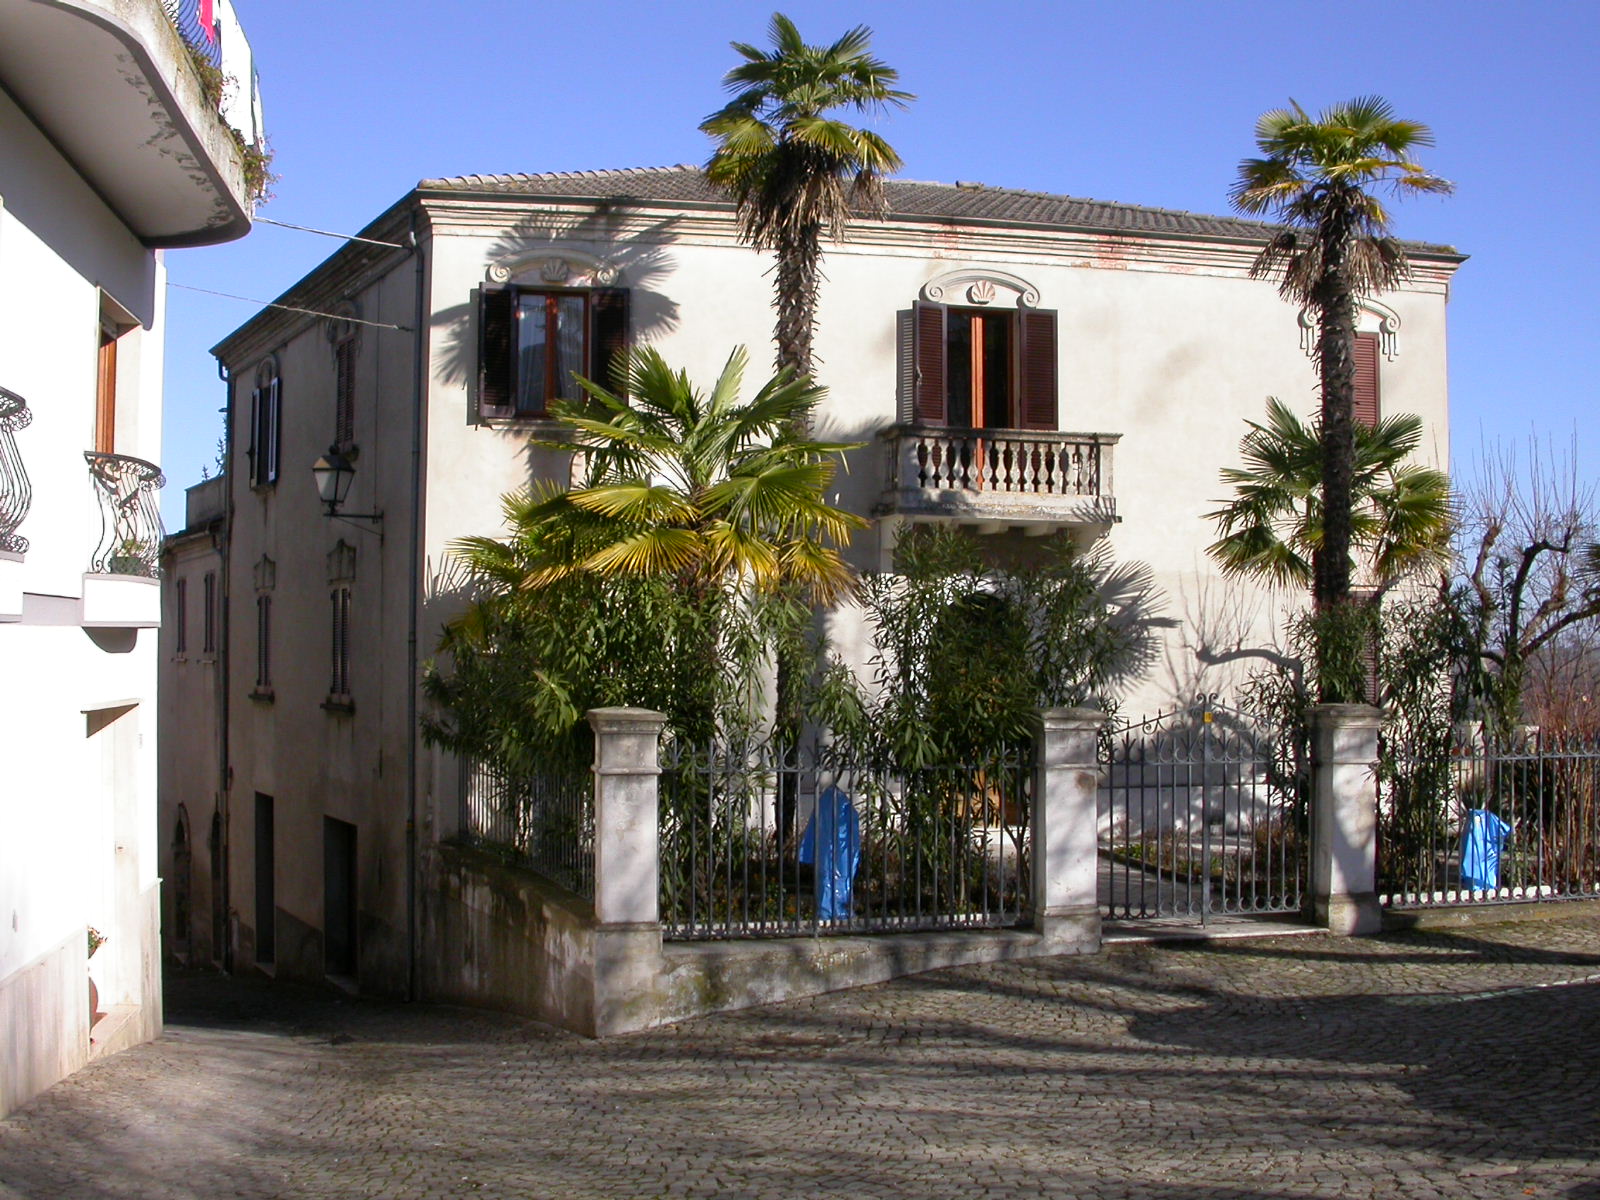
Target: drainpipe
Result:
[224, 660]
[414, 585]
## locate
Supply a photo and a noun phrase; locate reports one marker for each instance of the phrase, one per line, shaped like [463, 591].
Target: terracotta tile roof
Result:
[908, 199]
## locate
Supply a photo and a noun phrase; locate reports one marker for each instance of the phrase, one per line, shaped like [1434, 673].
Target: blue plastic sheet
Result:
[836, 852]
[1481, 843]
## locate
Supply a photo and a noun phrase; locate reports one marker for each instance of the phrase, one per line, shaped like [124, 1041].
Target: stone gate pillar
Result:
[627, 872]
[1066, 785]
[1344, 817]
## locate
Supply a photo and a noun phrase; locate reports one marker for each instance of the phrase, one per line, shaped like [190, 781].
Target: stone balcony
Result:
[998, 479]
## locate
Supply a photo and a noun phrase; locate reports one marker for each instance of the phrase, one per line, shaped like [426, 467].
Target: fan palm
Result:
[706, 489]
[795, 172]
[1275, 526]
[1319, 176]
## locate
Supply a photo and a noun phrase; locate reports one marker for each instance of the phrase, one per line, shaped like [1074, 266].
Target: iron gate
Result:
[1202, 813]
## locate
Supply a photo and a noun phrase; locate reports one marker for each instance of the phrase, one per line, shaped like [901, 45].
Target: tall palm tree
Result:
[1320, 177]
[1275, 526]
[795, 172]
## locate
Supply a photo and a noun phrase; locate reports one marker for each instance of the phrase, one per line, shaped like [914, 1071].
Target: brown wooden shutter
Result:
[608, 341]
[932, 400]
[253, 451]
[1366, 362]
[495, 353]
[274, 427]
[1037, 406]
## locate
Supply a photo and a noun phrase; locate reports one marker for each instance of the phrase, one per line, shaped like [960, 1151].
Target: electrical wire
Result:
[310, 312]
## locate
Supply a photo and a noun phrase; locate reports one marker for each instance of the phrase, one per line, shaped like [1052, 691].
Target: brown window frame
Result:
[1032, 400]
[606, 334]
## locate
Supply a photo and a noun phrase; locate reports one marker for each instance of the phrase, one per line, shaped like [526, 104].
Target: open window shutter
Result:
[1366, 356]
[253, 451]
[931, 400]
[1037, 406]
[495, 309]
[608, 336]
[273, 432]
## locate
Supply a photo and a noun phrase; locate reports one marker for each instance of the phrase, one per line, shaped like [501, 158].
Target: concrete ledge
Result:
[1455, 916]
[708, 977]
[1348, 915]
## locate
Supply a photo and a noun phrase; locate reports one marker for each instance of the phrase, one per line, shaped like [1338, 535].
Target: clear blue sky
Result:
[1138, 101]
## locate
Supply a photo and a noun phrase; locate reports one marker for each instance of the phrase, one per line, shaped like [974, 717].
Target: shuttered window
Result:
[180, 616]
[266, 425]
[984, 368]
[1366, 361]
[339, 687]
[344, 392]
[208, 644]
[263, 643]
[532, 342]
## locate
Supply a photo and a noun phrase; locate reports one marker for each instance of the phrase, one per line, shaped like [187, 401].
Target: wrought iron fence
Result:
[1478, 822]
[16, 492]
[1203, 813]
[130, 516]
[543, 821]
[755, 843]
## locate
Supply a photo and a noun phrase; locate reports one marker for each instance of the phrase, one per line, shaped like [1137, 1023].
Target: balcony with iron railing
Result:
[16, 498]
[999, 478]
[120, 587]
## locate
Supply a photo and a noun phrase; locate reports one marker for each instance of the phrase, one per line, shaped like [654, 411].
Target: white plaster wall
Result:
[78, 802]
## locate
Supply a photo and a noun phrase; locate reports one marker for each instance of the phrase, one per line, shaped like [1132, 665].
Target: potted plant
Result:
[131, 558]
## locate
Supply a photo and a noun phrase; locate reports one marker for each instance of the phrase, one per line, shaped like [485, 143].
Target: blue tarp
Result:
[836, 853]
[1481, 842]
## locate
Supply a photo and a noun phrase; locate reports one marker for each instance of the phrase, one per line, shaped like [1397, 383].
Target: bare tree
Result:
[1530, 590]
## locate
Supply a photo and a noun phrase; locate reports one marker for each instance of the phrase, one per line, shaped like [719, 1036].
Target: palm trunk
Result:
[1336, 364]
[798, 277]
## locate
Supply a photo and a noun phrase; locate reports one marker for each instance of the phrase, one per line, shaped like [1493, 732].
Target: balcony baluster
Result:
[130, 518]
[16, 492]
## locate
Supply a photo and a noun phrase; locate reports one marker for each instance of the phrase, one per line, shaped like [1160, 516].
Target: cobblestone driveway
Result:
[1459, 1064]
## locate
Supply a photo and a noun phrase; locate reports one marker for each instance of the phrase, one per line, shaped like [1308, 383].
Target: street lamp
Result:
[333, 473]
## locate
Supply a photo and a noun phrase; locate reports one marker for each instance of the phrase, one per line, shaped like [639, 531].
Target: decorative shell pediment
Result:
[555, 267]
[982, 287]
[1388, 327]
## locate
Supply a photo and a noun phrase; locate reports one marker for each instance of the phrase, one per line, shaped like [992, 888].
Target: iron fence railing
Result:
[130, 516]
[755, 842]
[16, 492]
[1478, 822]
[1203, 814]
[543, 821]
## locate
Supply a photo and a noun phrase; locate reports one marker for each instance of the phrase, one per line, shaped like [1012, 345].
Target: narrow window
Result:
[266, 425]
[105, 407]
[340, 685]
[552, 342]
[532, 342]
[344, 398]
[208, 618]
[180, 616]
[978, 354]
[263, 643]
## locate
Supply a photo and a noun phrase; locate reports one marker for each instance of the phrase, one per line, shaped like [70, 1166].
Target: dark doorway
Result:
[266, 892]
[338, 897]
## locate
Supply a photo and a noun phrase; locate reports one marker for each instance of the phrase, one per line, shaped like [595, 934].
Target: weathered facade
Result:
[109, 151]
[1014, 362]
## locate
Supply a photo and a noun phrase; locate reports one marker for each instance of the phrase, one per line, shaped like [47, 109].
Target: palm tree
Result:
[1319, 177]
[793, 171]
[1274, 528]
[704, 488]
[700, 508]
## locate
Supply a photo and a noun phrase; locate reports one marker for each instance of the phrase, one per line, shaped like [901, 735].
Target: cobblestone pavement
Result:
[1460, 1064]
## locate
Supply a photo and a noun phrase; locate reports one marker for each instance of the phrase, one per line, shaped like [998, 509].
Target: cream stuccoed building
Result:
[1013, 362]
[109, 151]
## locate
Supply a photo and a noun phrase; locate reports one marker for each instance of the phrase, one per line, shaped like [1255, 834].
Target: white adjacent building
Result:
[109, 152]
[1015, 362]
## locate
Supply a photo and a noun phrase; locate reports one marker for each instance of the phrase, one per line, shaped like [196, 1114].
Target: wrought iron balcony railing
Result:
[16, 493]
[1022, 474]
[130, 518]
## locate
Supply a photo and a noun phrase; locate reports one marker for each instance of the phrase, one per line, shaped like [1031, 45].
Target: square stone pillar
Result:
[1344, 817]
[627, 769]
[1066, 843]
[627, 902]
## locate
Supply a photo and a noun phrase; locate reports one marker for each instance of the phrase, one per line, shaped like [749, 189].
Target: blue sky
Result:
[1142, 101]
